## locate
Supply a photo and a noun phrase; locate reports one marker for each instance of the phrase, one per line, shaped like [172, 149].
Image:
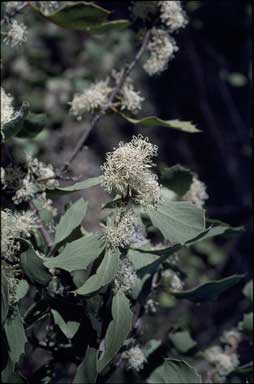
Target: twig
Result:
[125, 73]
[42, 228]
[9, 15]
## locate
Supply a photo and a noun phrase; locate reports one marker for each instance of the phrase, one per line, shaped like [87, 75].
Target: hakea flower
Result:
[231, 338]
[7, 109]
[172, 15]
[48, 7]
[119, 229]
[126, 277]
[197, 193]
[172, 280]
[95, 97]
[135, 357]
[127, 171]
[16, 34]
[162, 48]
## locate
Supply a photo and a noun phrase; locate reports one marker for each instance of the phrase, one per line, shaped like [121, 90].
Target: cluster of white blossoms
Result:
[13, 226]
[96, 97]
[48, 7]
[231, 339]
[7, 110]
[16, 34]
[126, 277]
[120, 228]
[162, 48]
[127, 171]
[135, 357]
[197, 193]
[172, 15]
[171, 279]
[223, 363]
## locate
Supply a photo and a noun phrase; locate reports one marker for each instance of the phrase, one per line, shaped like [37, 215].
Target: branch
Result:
[125, 73]
[42, 228]
[10, 15]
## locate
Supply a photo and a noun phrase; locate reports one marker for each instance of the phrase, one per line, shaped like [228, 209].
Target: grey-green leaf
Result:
[183, 341]
[88, 183]
[117, 331]
[174, 371]
[247, 323]
[153, 121]
[178, 221]
[69, 328]
[104, 274]
[78, 254]
[71, 219]
[33, 267]
[210, 290]
[16, 336]
[4, 298]
[86, 371]
[21, 289]
[176, 178]
[248, 290]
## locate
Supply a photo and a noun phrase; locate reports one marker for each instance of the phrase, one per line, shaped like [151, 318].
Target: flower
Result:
[91, 99]
[197, 193]
[171, 279]
[127, 171]
[16, 34]
[48, 7]
[136, 358]
[119, 229]
[172, 15]
[130, 98]
[224, 363]
[232, 338]
[126, 277]
[7, 109]
[161, 48]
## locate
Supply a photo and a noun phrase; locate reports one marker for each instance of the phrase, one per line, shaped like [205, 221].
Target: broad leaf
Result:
[174, 371]
[177, 221]
[86, 371]
[8, 375]
[104, 274]
[88, 183]
[182, 341]
[117, 331]
[34, 123]
[210, 290]
[109, 26]
[33, 267]
[247, 323]
[4, 298]
[177, 179]
[21, 289]
[16, 336]
[153, 121]
[71, 219]
[248, 290]
[141, 259]
[69, 328]
[78, 254]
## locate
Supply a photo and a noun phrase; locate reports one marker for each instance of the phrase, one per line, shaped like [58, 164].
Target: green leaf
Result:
[21, 289]
[33, 267]
[247, 323]
[79, 16]
[174, 371]
[34, 123]
[245, 368]
[13, 127]
[86, 371]
[78, 254]
[69, 329]
[248, 290]
[8, 375]
[210, 290]
[152, 121]
[4, 298]
[183, 341]
[71, 219]
[88, 183]
[109, 26]
[177, 179]
[117, 331]
[141, 259]
[16, 336]
[104, 274]
[177, 221]
[151, 346]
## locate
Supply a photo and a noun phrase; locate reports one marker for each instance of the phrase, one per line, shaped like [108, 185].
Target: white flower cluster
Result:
[97, 97]
[126, 277]
[197, 194]
[172, 15]
[136, 358]
[172, 280]
[16, 34]
[127, 171]
[48, 7]
[162, 48]
[119, 228]
[14, 225]
[223, 363]
[232, 339]
[7, 109]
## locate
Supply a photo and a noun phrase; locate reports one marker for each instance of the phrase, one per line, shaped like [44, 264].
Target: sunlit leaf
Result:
[174, 371]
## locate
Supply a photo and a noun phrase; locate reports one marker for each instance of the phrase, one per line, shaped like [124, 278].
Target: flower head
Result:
[7, 109]
[162, 48]
[16, 34]
[172, 280]
[136, 358]
[197, 193]
[119, 229]
[172, 14]
[126, 277]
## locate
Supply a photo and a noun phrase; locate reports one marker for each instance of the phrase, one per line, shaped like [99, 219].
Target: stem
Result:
[125, 73]
[42, 228]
